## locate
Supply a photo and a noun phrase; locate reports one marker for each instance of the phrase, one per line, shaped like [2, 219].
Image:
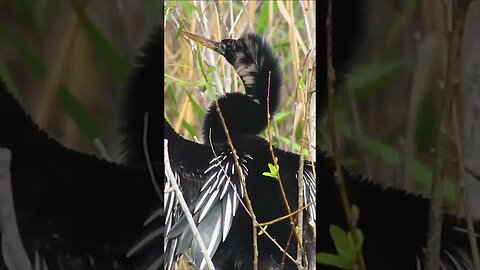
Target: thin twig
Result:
[147, 157]
[286, 216]
[171, 177]
[278, 178]
[469, 146]
[436, 202]
[333, 137]
[278, 245]
[463, 192]
[242, 180]
[305, 140]
[265, 232]
[358, 135]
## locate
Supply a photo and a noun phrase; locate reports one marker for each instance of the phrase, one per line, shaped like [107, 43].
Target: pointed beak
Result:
[216, 46]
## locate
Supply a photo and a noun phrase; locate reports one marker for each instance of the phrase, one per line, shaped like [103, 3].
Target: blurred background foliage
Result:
[68, 61]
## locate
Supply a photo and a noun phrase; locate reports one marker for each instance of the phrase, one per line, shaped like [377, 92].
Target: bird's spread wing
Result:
[213, 211]
[73, 209]
[309, 196]
[149, 244]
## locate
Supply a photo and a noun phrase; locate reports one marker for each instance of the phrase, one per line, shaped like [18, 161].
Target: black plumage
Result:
[144, 95]
[394, 223]
[349, 23]
[76, 211]
[256, 64]
[65, 217]
[206, 174]
[194, 175]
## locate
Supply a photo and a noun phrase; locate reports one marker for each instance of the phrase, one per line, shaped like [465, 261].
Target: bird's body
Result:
[64, 216]
[254, 156]
[212, 185]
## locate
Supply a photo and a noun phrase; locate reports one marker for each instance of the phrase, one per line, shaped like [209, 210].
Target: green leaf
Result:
[332, 260]
[370, 78]
[179, 82]
[341, 241]
[414, 168]
[425, 126]
[296, 147]
[301, 85]
[211, 89]
[29, 57]
[262, 229]
[180, 31]
[360, 238]
[262, 19]
[70, 104]
[189, 128]
[200, 63]
[421, 172]
[115, 62]
[279, 117]
[274, 170]
[77, 111]
[198, 109]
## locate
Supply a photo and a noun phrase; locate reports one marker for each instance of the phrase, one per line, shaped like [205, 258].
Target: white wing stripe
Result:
[208, 205]
[153, 216]
[156, 233]
[214, 175]
[228, 217]
[226, 186]
[211, 245]
[221, 184]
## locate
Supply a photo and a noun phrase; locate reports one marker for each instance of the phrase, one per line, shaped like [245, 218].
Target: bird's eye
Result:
[222, 48]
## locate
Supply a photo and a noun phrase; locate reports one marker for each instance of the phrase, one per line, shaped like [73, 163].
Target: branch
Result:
[468, 148]
[452, 33]
[244, 184]
[147, 157]
[298, 235]
[286, 216]
[183, 204]
[333, 137]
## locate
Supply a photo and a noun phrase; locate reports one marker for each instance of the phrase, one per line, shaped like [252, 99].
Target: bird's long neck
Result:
[348, 25]
[144, 96]
[258, 69]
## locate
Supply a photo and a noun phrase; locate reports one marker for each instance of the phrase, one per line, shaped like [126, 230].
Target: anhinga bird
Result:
[212, 187]
[208, 177]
